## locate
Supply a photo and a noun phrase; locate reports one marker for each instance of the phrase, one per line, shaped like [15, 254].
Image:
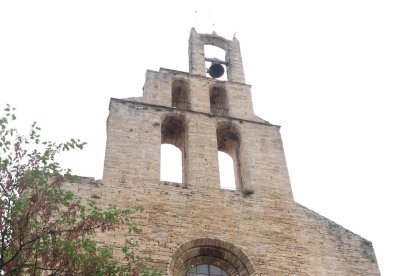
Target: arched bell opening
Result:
[229, 55]
[219, 101]
[174, 132]
[215, 62]
[229, 142]
[180, 94]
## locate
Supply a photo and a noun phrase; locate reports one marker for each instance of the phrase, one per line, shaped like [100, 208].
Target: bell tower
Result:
[194, 227]
[233, 61]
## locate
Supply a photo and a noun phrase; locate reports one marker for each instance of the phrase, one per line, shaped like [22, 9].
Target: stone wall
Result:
[256, 229]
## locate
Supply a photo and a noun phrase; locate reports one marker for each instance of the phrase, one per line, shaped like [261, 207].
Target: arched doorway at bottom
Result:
[210, 251]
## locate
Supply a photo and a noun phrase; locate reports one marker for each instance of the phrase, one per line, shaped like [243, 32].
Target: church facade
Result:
[195, 227]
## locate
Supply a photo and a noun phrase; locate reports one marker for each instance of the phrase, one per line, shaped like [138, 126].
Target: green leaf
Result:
[64, 224]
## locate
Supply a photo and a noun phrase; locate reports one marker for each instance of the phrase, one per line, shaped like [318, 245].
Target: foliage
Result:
[45, 229]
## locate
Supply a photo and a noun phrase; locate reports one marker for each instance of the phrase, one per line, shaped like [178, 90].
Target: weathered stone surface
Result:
[257, 229]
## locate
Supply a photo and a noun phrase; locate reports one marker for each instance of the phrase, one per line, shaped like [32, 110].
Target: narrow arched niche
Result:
[174, 132]
[219, 101]
[229, 141]
[180, 94]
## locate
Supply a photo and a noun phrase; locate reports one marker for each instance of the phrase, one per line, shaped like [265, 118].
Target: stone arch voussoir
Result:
[210, 251]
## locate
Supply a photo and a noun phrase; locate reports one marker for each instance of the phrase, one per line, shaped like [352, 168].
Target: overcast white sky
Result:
[336, 75]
